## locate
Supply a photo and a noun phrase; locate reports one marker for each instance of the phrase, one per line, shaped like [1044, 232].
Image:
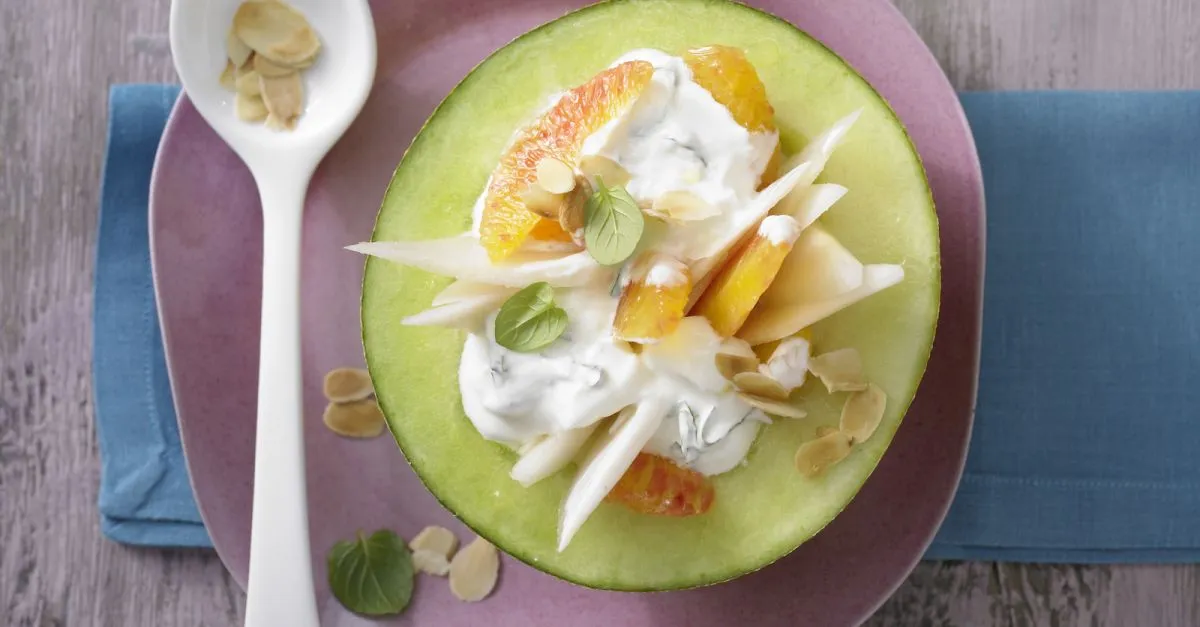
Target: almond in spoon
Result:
[284, 97]
[277, 32]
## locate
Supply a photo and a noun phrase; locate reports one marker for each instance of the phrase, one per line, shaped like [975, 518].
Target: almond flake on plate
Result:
[343, 385]
[474, 570]
[360, 419]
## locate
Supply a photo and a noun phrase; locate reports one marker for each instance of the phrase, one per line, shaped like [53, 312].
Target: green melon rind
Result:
[747, 528]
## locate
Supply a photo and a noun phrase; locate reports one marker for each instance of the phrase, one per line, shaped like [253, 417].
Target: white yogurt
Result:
[675, 137]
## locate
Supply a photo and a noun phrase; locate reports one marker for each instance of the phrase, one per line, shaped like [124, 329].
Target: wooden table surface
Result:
[56, 61]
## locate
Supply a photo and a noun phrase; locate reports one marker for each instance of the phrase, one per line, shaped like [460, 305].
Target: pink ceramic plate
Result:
[206, 234]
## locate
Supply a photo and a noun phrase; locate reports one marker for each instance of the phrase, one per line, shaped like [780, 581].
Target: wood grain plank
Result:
[59, 58]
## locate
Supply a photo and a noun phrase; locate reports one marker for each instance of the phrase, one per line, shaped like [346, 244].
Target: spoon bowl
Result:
[280, 586]
[336, 86]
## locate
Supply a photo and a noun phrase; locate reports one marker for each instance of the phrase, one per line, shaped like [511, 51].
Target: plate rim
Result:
[182, 107]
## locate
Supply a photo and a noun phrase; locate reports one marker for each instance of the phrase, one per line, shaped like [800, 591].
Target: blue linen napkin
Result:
[1088, 429]
[145, 497]
[1087, 434]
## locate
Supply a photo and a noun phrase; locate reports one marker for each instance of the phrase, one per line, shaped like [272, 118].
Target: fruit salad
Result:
[639, 284]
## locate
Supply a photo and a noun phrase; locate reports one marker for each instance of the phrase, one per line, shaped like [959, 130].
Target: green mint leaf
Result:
[372, 575]
[529, 320]
[613, 224]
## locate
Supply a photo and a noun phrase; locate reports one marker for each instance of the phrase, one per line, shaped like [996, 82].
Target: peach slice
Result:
[653, 303]
[736, 288]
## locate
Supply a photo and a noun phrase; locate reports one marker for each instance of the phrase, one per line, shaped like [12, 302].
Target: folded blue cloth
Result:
[1087, 433]
[145, 497]
[1088, 426]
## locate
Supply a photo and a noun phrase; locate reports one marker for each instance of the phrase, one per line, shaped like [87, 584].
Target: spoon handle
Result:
[280, 590]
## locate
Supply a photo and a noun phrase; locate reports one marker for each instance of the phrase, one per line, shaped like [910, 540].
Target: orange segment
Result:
[653, 303]
[728, 75]
[735, 290]
[558, 133]
[655, 485]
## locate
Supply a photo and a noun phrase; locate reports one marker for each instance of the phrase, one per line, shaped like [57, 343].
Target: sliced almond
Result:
[758, 384]
[815, 456]
[474, 570]
[360, 419]
[249, 108]
[825, 430]
[434, 539]
[604, 169]
[555, 176]
[276, 31]
[772, 406]
[684, 206]
[839, 370]
[430, 562]
[732, 365]
[544, 203]
[343, 385]
[247, 83]
[236, 49]
[863, 412]
[573, 213]
[266, 67]
[228, 80]
[284, 97]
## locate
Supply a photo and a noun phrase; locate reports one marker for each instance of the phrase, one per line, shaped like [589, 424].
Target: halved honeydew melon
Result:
[762, 510]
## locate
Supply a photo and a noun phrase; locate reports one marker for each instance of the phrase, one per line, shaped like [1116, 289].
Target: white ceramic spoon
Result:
[280, 588]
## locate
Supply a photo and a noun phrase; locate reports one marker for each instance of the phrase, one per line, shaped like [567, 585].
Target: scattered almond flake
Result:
[474, 570]
[236, 49]
[604, 169]
[247, 84]
[277, 31]
[825, 430]
[228, 79]
[862, 413]
[265, 67]
[249, 108]
[772, 406]
[839, 370]
[732, 365]
[756, 383]
[359, 419]
[430, 562]
[343, 385]
[284, 97]
[546, 204]
[555, 176]
[815, 456]
[434, 539]
[788, 363]
[684, 206]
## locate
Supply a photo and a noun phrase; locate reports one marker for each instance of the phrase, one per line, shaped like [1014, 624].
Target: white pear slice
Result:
[780, 322]
[462, 257]
[463, 290]
[550, 455]
[819, 278]
[809, 204]
[818, 151]
[747, 218]
[467, 313]
[597, 478]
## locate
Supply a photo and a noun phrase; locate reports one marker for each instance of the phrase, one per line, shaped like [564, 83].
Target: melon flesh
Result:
[762, 510]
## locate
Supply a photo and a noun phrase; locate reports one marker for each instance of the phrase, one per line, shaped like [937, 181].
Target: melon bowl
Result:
[764, 509]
